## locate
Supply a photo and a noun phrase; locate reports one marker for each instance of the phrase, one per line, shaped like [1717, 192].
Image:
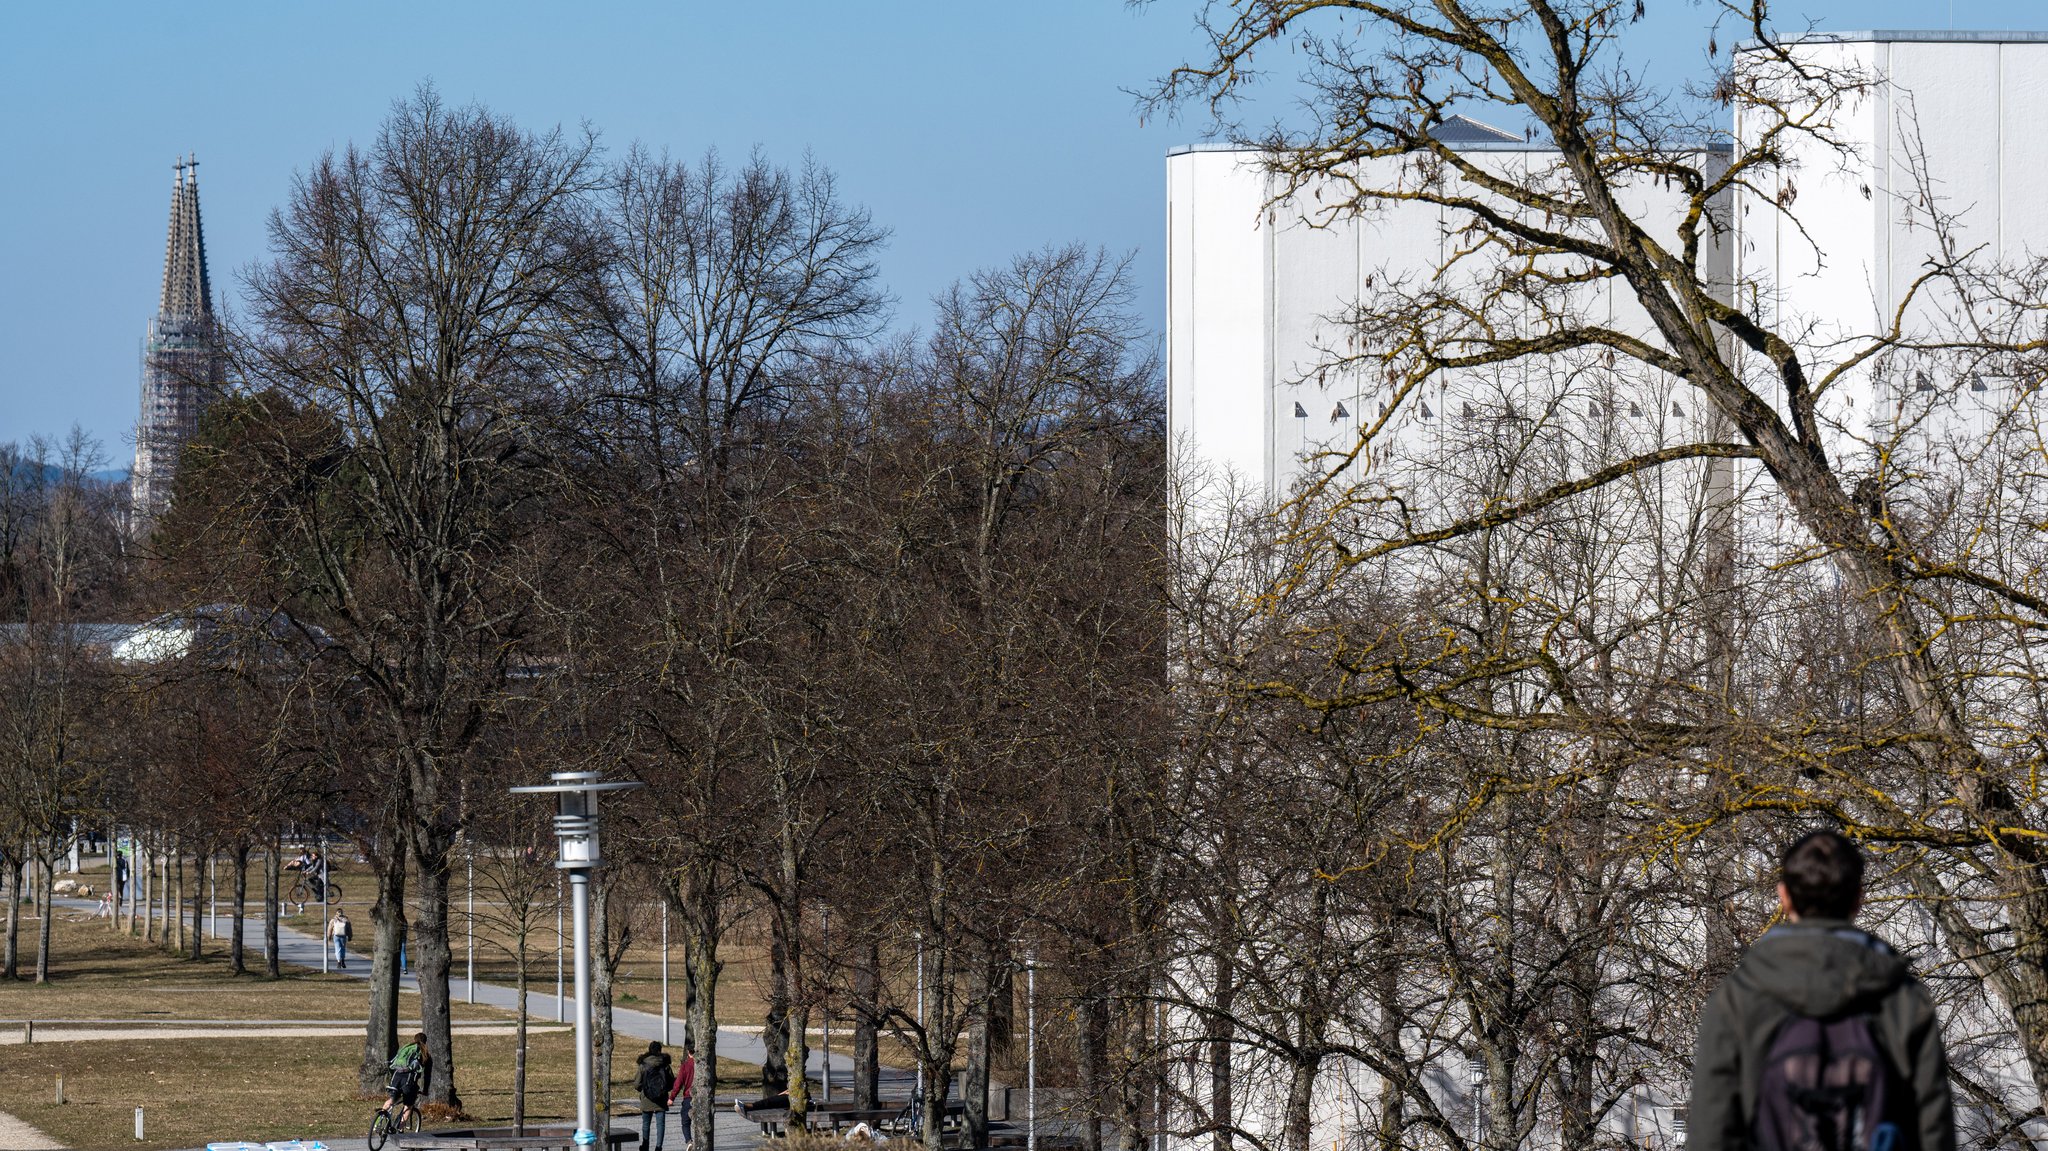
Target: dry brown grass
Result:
[98, 974]
[196, 1091]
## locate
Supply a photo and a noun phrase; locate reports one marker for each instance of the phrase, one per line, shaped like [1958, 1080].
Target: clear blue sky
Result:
[972, 129]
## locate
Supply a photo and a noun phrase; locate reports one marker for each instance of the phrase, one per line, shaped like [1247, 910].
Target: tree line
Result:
[536, 459]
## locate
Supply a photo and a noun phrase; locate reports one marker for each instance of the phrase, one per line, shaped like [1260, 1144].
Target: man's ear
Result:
[1791, 913]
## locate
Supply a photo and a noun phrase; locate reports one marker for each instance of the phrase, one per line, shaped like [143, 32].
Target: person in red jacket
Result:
[684, 1081]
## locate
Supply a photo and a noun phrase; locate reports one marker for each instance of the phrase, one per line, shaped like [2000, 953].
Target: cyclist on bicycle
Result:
[408, 1073]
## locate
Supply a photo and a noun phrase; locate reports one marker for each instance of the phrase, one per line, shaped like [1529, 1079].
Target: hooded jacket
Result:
[1821, 968]
[658, 1059]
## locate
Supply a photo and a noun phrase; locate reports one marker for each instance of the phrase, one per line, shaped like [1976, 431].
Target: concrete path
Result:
[18, 1136]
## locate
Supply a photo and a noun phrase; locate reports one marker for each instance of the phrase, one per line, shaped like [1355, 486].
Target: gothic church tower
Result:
[181, 361]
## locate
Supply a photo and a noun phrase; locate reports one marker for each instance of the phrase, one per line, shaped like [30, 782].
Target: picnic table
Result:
[773, 1115]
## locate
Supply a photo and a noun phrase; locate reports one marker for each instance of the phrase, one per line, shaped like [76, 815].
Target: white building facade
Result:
[1944, 154]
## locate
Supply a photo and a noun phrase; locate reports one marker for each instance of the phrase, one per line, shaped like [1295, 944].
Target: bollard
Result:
[60, 1091]
[28, 1031]
[138, 1122]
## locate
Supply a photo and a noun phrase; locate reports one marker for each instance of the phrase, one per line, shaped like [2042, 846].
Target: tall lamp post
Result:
[577, 854]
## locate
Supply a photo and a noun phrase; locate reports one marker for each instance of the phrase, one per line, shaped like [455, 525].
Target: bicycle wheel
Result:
[297, 894]
[380, 1130]
[334, 893]
[412, 1119]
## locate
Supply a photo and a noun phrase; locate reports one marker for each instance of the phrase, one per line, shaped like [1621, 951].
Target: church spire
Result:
[181, 360]
[187, 294]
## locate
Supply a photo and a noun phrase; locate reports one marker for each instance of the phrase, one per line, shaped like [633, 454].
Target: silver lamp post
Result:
[577, 854]
[1031, 1050]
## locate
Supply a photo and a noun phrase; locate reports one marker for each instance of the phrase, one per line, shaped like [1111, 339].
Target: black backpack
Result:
[655, 1081]
[1827, 1086]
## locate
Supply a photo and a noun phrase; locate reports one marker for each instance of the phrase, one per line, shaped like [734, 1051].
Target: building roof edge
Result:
[1907, 36]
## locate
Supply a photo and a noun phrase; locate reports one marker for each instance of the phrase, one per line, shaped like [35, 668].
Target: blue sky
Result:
[972, 129]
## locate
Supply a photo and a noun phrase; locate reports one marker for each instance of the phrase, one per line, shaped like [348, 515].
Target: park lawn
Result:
[98, 974]
[198, 1090]
[743, 984]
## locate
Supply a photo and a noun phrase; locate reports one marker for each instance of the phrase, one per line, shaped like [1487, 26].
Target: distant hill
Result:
[25, 472]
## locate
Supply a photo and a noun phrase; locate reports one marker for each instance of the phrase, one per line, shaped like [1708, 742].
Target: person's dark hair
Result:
[1823, 875]
[420, 1037]
[654, 1047]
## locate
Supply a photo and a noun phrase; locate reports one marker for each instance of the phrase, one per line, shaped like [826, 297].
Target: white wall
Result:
[1258, 287]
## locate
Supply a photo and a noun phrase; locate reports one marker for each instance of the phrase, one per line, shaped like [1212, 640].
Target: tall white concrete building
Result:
[1258, 284]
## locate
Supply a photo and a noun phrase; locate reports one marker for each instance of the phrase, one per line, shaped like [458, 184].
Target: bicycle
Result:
[303, 893]
[388, 1122]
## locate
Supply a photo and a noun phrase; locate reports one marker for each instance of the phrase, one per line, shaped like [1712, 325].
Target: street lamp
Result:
[577, 854]
[1030, 1050]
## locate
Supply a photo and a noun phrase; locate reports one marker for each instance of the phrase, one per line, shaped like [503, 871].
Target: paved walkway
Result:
[18, 1136]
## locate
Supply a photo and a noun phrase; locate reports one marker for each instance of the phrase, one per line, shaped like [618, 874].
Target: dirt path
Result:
[19, 1136]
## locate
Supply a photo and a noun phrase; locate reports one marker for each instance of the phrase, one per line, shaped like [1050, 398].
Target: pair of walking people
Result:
[1820, 1039]
[659, 1087]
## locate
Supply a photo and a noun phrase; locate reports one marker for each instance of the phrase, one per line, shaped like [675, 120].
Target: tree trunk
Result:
[796, 1049]
[700, 941]
[1222, 1111]
[198, 905]
[380, 1030]
[775, 1029]
[47, 885]
[519, 1037]
[177, 893]
[1393, 1102]
[974, 1088]
[10, 964]
[166, 936]
[146, 865]
[867, 1069]
[238, 959]
[1301, 1088]
[609, 951]
[431, 960]
[273, 898]
[1093, 1041]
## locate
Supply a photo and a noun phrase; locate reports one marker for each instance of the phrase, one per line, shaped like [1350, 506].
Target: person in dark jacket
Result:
[1817, 964]
[655, 1083]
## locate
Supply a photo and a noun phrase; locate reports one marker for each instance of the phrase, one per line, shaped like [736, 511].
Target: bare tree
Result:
[1891, 739]
[413, 301]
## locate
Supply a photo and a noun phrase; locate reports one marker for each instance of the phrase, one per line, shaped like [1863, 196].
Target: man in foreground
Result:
[1820, 1039]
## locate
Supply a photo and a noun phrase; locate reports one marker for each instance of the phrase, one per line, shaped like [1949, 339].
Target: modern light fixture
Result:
[576, 852]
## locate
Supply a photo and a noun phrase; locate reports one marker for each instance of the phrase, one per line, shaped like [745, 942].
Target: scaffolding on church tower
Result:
[181, 359]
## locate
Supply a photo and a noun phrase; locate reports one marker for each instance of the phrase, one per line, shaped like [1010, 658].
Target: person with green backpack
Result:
[408, 1072]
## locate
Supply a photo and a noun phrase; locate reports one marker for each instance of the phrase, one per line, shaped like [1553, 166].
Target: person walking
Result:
[684, 1082]
[339, 929]
[655, 1081]
[1821, 1038]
